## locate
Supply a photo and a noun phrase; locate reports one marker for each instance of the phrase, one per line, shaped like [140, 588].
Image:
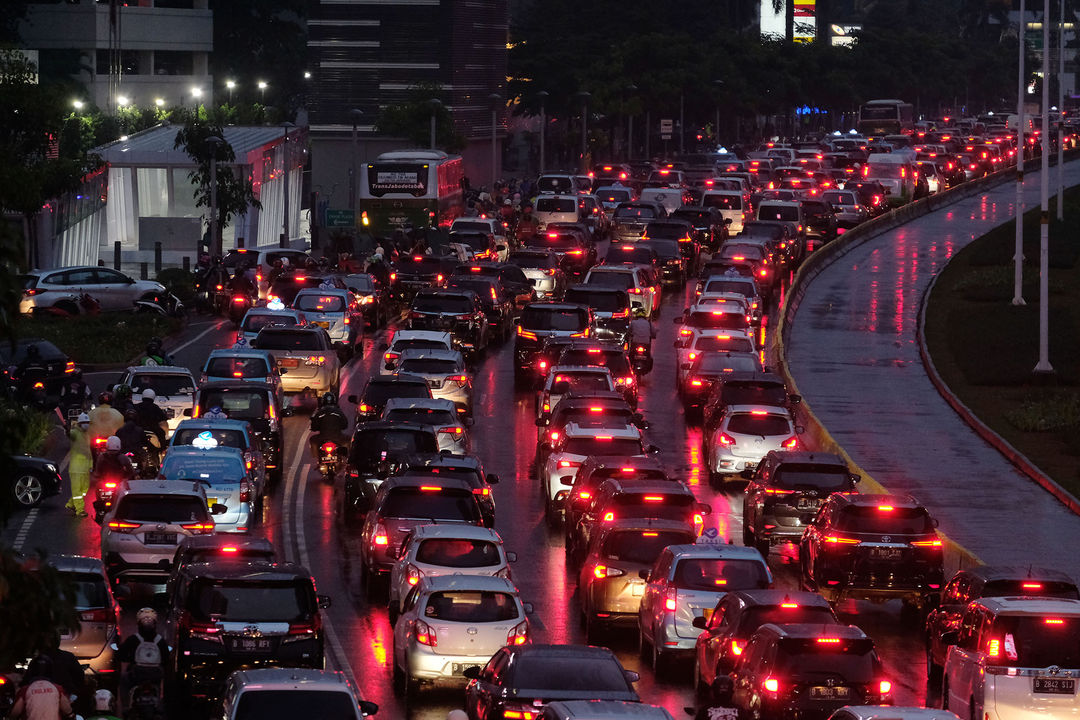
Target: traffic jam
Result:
[550, 461]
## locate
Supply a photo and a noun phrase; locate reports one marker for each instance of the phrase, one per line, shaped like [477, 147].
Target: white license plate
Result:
[1054, 686]
[322, 323]
[637, 589]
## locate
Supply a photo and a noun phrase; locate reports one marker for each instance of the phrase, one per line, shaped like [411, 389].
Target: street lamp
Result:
[262, 85]
[307, 74]
[584, 98]
[122, 100]
[196, 93]
[77, 104]
[284, 240]
[230, 85]
[495, 99]
[543, 96]
[1021, 147]
[215, 143]
[435, 103]
[631, 90]
[355, 114]
[1044, 366]
[716, 128]
[160, 102]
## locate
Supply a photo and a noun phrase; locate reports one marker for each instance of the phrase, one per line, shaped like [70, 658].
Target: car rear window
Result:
[740, 392]
[620, 280]
[716, 362]
[719, 575]
[238, 404]
[569, 319]
[237, 367]
[600, 301]
[1004, 588]
[89, 590]
[597, 446]
[635, 212]
[717, 320]
[320, 303]
[563, 673]
[435, 504]
[419, 264]
[446, 304]
[1036, 641]
[789, 213]
[666, 506]
[765, 425]
[556, 205]
[632, 253]
[558, 241]
[301, 340]
[533, 260]
[428, 365]
[254, 322]
[733, 286]
[896, 521]
[810, 661]
[811, 476]
[428, 416]
[600, 417]
[615, 361]
[236, 553]
[163, 385]
[377, 445]
[640, 546]
[470, 225]
[263, 704]
[213, 467]
[613, 196]
[470, 606]
[742, 252]
[162, 509]
[723, 202]
[755, 617]
[458, 553]
[483, 287]
[721, 343]
[584, 381]
[402, 345]
[474, 241]
[378, 393]
[360, 283]
[224, 438]
[250, 601]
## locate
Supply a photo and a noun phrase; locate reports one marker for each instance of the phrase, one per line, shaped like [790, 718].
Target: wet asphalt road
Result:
[302, 520]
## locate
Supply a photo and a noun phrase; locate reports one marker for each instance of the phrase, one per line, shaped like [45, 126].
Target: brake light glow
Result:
[654, 498]
[791, 443]
[884, 687]
[726, 439]
[1054, 621]
[425, 635]
[670, 603]
[926, 543]
[1032, 586]
[829, 641]
[885, 508]
[124, 527]
[200, 528]
[993, 648]
[789, 605]
[834, 540]
[609, 516]
[771, 685]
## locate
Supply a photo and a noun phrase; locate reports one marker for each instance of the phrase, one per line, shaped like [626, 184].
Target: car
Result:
[463, 467]
[671, 197]
[734, 283]
[58, 366]
[380, 388]
[744, 388]
[727, 629]
[452, 622]
[873, 546]
[685, 583]
[785, 492]
[544, 270]
[307, 356]
[335, 311]
[257, 318]
[637, 281]
[564, 379]
[1014, 657]
[251, 402]
[570, 244]
[710, 330]
[635, 253]
[217, 548]
[610, 196]
[753, 256]
[744, 434]
[610, 586]
[292, 692]
[263, 261]
[594, 472]
[92, 641]
[807, 671]
[610, 308]
[487, 225]
[402, 504]
[458, 312]
[733, 205]
[588, 407]
[174, 388]
[890, 712]
[517, 682]
[225, 617]
[456, 549]
[496, 303]
[445, 373]
[377, 451]
[602, 710]
[371, 295]
[288, 284]
[140, 532]
[588, 353]
[413, 273]
[34, 480]
[474, 246]
[630, 218]
[672, 266]
[61, 288]
[226, 479]
[225, 433]
[438, 413]
[986, 581]
[785, 243]
[872, 195]
[821, 221]
[241, 363]
[419, 339]
[515, 284]
[556, 208]
[539, 321]
[710, 226]
[847, 208]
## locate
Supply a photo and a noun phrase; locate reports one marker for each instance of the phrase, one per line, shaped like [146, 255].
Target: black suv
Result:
[413, 273]
[380, 388]
[785, 493]
[255, 403]
[288, 284]
[516, 285]
[610, 308]
[457, 312]
[378, 450]
[461, 467]
[576, 254]
[226, 616]
[543, 320]
[875, 547]
[745, 388]
[495, 301]
[806, 671]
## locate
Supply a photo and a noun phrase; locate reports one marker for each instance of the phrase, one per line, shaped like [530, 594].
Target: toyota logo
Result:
[886, 538]
[252, 630]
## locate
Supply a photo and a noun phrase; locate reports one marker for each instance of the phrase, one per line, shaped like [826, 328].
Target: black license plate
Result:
[830, 693]
[808, 503]
[886, 553]
[252, 645]
[460, 668]
[159, 538]
[1054, 686]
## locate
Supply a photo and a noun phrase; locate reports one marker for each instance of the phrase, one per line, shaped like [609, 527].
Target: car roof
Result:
[396, 378]
[715, 550]
[278, 678]
[241, 425]
[604, 709]
[555, 306]
[647, 523]
[1030, 605]
[816, 630]
[484, 583]
[191, 450]
[627, 432]
[239, 352]
[991, 573]
[76, 563]
[580, 369]
[236, 385]
[383, 425]
[161, 487]
[159, 370]
[755, 376]
[567, 651]
[894, 712]
[443, 459]
[770, 409]
[456, 530]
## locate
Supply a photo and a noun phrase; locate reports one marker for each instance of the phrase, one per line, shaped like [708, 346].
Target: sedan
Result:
[34, 480]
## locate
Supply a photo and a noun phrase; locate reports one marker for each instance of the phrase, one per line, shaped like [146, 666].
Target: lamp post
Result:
[631, 90]
[77, 104]
[495, 99]
[196, 93]
[284, 240]
[435, 103]
[584, 98]
[214, 143]
[543, 96]
[262, 85]
[1044, 366]
[1061, 117]
[230, 85]
[355, 114]
[1021, 147]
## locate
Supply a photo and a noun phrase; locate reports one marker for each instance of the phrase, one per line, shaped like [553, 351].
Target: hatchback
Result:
[744, 434]
[335, 311]
[239, 363]
[413, 339]
[439, 414]
[293, 692]
[445, 373]
[174, 388]
[92, 642]
[61, 288]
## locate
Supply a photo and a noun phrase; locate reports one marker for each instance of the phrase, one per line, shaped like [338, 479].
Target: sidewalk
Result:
[855, 358]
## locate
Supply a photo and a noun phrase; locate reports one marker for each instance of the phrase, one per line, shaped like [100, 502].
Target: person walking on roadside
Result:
[79, 465]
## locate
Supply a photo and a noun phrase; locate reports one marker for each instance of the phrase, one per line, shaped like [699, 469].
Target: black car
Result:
[872, 195]
[518, 681]
[459, 312]
[786, 243]
[610, 308]
[463, 467]
[540, 321]
[672, 267]
[875, 547]
[576, 255]
[220, 548]
[226, 616]
[57, 365]
[495, 301]
[710, 228]
[986, 581]
[745, 388]
[372, 296]
[378, 450]
[414, 272]
[254, 402]
[514, 283]
[380, 388]
[820, 219]
[480, 244]
[288, 284]
[34, 480]
[785, 492]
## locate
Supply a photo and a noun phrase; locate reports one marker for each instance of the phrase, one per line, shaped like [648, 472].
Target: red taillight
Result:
[726, 439]
[200, 627]
[200, 528]
[791, 443]
[98, 615]
[328, 448]
[380, 538]
[425, 634]
[568, 464]
[696, 383]
[304, 629]
[123, 527]
[834, 540]
[771, 685]
[412, 574]
[670, 601]
[450, 430]
[69, 367]
[245, 491]
[519, 634]
[926, 543]
[230, 549]
[884, 687]
[1031, 586]
[609, 517]
[993, 648]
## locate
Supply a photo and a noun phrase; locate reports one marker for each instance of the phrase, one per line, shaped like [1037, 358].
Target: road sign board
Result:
[340, 218]
[667, 126]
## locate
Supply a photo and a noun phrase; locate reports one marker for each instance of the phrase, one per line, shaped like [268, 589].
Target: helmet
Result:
[278, 264]
[284, 262]
[327, 399]
[146, 618]
[123, 391]
[105, 398]
[84, 419]
[103, 701]
[32, 351]
[131, 415]
[508, 201]
[40, 667]
[149, 394]
[113, 443]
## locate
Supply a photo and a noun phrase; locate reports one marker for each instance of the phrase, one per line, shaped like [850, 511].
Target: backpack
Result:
[148, 653]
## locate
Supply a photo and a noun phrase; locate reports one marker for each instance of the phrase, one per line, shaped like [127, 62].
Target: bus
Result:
[886, 117]
[410, 189]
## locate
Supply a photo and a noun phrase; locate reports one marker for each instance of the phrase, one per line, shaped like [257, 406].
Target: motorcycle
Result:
[104, 492]
[238, 307]
[165, 304]
[145, 702]
[219, 298]
[331, 459]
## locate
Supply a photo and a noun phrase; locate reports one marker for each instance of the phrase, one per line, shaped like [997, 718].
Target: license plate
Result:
[637, 589]
[830, 693]
[210, 502]
[1054, 686]
[289, 362]
[885, 553]
[460, 668]
[256, 645]
[323, 324]
[159, 538]
[808, 503]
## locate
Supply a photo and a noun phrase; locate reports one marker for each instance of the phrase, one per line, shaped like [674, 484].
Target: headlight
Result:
[51, 468]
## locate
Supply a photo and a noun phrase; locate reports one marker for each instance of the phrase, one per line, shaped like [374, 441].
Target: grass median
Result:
[985, 348]
[108, 338]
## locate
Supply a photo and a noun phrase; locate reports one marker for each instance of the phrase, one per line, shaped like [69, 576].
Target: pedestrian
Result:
[79, 464]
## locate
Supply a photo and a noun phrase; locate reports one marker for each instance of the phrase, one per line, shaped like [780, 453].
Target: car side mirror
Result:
[566, 480]
[795, 399]
[704, 508]
[950, 637]
[700, 622]
[218, 509]
[934, 521]
[186, 412]
[472, 672]
[511, 556]
[367, 708]
[631, 676]
[492, 479]
[643, 574]
[323, 600]
[354, 400]
[653, 450]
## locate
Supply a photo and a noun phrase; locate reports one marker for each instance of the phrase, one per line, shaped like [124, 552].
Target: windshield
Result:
[162, 509]
[211, 467]
[253, 602]
[737, 392]
[236, 403]
[1037, 641]
[263, 704]
[719, 575]
[320, 303]
[564, 674]
[619, 280]
[471, 606]
[237, 367]
[377, 393]
[287, 340]
[428, 366]
[635, 212]
[458, 553]
[881, 521]
[812, 476]
[600, 301]
[424, 416]
[446, 304]
[723, 202]
[640, 546]
[254, 322]
[162, 385]
[598, 446]
[556, 205]
[809, 661]
[724, 343]
[550, 319]
[778, 212]
[430, 504]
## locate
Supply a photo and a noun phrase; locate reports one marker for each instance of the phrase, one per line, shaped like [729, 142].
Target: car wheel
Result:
[412, 687]
[659, 659]
[933, 670]
[399, 681]
[699, 687]
[28, 490]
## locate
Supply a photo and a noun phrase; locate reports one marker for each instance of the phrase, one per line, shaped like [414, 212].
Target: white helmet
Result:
[83, 419]
[113, 443]
[148, 394]
[103, 700]
[147, 617]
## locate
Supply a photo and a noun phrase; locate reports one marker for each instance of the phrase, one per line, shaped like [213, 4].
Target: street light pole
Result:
[1061, 117]
[682, 123]
[631, 89]
[355, 115]
[215, 143]
[436, 103]
[284, 239]
[543, 95]
[1044, 365]
[1021, 147]
[494, 99]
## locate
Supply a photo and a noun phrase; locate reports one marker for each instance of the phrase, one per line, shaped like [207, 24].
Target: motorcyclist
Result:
[143, 655]
[104, 706]
[242, 284]
[75, 395]
[155, 354]
[280, 265]
[132, 437]
[209, 281]
[105, 420]
[40, 698]
[328, 423]
[152, 418]
[30, 371]
[113, 462]
[122, 397]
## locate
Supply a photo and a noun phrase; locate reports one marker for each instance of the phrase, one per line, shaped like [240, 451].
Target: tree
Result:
[35, 602]
[235, 194]
[412, 119]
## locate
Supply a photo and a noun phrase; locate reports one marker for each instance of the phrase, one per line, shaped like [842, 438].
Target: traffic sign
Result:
[667, 126]
[340, 218]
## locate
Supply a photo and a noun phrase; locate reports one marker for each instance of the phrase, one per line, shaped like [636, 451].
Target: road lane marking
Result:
[217, 324]
[24, 529]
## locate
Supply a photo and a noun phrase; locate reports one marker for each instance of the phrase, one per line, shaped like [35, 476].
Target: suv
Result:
[93, 640]
[746, 388]
[610, 308]
[293, 692]
[1014, 657]
[227, 616]
[986, 581]
[445, 373]
[173, 386]
[377, 451]
[543, 320]
[557, 208]
[543, 268]
[220, 549]
[61, 288]
[306, 354]
[630, 219]
[590, 353]
[515, 283]
[455, 311]
[462, 467]
[140, 533]
[335, 311]
[806, 671]
[635, 280]
[820, 219]
[380, 388]
[785, 493]
[595, 471]
[875, 547]
[495, 301]
[254, 403]
[419, 339]
[418, 272]
[576, 254]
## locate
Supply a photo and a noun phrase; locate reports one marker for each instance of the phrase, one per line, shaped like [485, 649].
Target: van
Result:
[731, 204]
[896, 171]
[557, 208]
[672, 198]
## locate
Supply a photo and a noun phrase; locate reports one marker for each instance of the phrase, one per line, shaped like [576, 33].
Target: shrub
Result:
[179, 282]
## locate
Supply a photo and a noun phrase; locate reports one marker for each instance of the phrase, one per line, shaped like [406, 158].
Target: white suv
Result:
[173, 386]
[293, 692]
[62, 287]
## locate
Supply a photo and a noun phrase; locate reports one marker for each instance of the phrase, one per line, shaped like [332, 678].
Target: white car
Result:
[259, 317]
[174, 387]
[434, 550]
[745, 434]
[556, 208]
[451, 623]
[418, 339]
[634, 279]
[263, 691]
[438, 413]
[890, 712]
[691, 343]
[491, 226]
[62, 287]
[334, 310]
[732, 204]
[445, 373]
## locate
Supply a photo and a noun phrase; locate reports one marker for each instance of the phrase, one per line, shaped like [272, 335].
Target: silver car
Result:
[744, 434]
[544, 271]
[439, 414]
[259, 317]
[434, 550]
[174, 388]
[445, 373]
[454, 622]
[62, 287]
[416, 339]
[92, 642]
